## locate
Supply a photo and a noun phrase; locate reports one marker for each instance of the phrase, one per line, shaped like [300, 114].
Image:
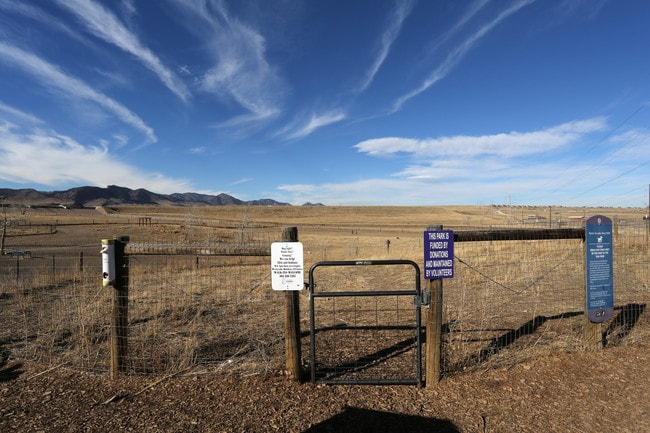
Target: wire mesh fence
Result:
[205, 304]
[53, 311]
[512, 301]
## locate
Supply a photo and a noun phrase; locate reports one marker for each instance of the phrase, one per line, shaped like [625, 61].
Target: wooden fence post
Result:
[593, 333]
[292, 319]
[433, 324]
[120, 316]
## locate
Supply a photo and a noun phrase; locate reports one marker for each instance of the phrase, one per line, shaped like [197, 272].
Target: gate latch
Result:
[424, 298]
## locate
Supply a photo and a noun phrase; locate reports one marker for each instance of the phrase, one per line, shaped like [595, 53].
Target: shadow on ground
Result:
[623, 323]
[367, 420]
[10, 373]
[619, 328]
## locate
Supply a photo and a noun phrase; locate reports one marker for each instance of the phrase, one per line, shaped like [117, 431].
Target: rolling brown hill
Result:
[92, 196]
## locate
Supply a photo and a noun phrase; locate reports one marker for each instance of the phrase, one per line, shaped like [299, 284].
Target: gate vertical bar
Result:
[292, 320]
[433, 354]
[312, 326]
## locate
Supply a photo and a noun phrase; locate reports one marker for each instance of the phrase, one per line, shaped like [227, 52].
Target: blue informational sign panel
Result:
[600, 275]
[438, 254]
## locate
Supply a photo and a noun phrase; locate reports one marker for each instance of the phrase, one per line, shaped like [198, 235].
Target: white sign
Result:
[287, 266]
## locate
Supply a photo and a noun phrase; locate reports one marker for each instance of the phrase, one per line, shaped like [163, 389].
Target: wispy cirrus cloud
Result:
[506, 145]
[105, 25]
[459, 183]
[399, 14]
[489, 168]
[470, 13]
[29, 10]
[19, 114]
[199, 150]
[46, 157]
[241, 181]
[458, 53]
[314, 122]
[241, 71]
[50, 76]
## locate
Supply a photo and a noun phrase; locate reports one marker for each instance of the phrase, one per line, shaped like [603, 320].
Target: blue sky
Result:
[383, 102]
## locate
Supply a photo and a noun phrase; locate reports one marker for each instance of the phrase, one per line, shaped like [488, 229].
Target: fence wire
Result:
[512, 301]
[203, 304]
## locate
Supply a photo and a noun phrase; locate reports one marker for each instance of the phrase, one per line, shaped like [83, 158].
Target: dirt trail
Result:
[602, 391]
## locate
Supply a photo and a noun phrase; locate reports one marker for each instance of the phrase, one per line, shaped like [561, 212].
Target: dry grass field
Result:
[207, 328]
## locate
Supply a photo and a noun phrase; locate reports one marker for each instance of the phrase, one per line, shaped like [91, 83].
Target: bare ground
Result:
[604, 391]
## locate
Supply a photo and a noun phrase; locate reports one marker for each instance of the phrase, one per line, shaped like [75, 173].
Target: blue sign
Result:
[438, 254]
[599, 269]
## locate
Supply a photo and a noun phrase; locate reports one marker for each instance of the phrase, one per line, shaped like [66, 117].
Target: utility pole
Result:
[509, 210]
[647, 219]
[4, 227]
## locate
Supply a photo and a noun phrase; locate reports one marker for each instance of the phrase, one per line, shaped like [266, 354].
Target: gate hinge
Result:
[424, 298]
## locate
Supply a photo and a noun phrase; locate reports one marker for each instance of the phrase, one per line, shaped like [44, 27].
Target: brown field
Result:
[207, 331]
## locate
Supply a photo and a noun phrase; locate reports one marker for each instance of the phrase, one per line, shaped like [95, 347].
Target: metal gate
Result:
[368, 334]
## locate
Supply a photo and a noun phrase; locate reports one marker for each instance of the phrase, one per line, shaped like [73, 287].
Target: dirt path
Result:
[604, 391]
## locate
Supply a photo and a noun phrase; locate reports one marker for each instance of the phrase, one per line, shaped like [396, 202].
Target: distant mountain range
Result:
[92, 196]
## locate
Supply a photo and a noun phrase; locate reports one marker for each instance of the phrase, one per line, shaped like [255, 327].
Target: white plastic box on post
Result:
[108, 262]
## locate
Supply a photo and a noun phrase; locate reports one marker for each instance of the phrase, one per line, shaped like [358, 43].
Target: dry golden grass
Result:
[509, 302]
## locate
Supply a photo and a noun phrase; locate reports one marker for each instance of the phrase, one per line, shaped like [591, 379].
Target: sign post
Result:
[599, 276]
[287, 275]
[599, 269]
[438, 264]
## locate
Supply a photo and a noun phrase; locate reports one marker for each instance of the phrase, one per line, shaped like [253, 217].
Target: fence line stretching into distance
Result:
[210, 307]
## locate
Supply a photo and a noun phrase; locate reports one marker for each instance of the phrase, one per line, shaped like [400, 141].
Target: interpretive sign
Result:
[599, 269]
[438, 254]
[287, 271]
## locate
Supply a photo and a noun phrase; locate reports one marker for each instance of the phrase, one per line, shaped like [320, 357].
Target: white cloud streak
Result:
[241, 71]
[199, 150]
[51, 76]
[457, 54]
[49, 158]
[507, 145]
[461, 183]
[315, 122]
[27, 9]
[490, 171]
[19, 115]
[400, 13]
[105, 25]
[241, 181]
[458, 169]
[467, 16]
